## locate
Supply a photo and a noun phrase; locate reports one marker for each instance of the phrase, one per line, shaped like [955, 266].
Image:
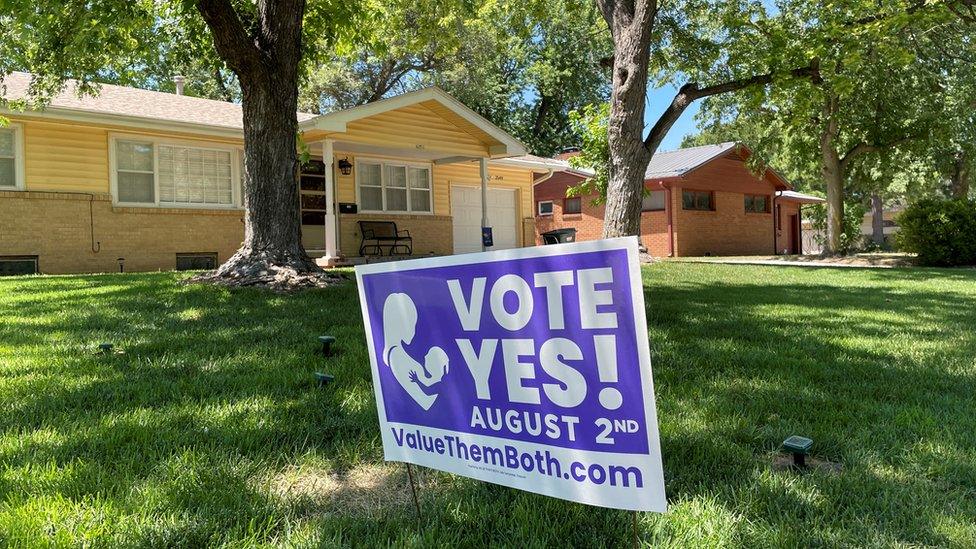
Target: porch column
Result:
[328, 159]
[484, 198]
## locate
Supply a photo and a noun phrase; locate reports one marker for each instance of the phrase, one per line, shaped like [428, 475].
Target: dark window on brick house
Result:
[196, 262]
[545, 207]
[13, 265]
[757, 203]
[698, 200]
[573, 205]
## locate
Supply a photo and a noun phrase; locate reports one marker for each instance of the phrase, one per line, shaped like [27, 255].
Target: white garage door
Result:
[466, 210]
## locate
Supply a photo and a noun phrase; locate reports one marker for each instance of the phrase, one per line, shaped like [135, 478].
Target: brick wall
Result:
[729, 230]
[589, 225]
[57, 227]
[432, 234]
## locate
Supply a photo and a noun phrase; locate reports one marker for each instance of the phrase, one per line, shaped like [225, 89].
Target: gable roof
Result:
[136, 105]
[439, 101]
[681, 161]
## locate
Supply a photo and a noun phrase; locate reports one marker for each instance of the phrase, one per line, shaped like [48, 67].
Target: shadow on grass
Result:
[214, 389]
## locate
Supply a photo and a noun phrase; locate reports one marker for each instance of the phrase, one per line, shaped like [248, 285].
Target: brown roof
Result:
[138, 103]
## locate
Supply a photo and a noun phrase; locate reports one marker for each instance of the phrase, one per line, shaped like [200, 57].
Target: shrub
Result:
[941, 232]
[851, 240]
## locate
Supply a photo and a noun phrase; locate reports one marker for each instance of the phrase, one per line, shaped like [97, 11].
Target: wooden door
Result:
[795, 234]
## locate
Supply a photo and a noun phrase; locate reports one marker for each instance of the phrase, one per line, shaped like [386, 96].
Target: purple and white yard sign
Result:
[528, 368]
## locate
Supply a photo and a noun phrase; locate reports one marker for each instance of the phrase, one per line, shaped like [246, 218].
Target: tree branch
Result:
[854, 152]
[231, 40]
[864, 147]
[691, 92]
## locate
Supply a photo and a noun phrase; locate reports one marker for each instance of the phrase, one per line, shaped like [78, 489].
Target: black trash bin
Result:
[559, 236]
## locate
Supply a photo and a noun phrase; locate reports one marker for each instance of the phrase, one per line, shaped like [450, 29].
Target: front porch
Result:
[421, 160]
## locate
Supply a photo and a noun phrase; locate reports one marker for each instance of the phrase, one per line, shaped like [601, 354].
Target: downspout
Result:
[670, 213]
[776, 216]
[535, 207]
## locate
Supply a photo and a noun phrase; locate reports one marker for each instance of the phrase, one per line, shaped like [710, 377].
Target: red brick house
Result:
[700, 201]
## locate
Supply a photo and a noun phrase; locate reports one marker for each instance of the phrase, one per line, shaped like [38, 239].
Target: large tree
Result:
[696, 45]
[733, 46]
[262, 42]
[524, 65]
[890, 89]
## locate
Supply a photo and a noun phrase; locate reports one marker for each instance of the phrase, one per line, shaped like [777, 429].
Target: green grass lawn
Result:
[208, 427]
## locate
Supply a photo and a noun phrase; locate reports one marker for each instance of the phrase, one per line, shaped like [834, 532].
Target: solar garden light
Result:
[323, 378]
[327, 341]
[105, 348]
[121, 261]
[799, 447]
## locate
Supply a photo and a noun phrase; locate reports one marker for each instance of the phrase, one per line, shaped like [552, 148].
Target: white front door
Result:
[466, 211]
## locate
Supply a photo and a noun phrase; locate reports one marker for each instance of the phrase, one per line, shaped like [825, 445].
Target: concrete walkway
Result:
[858, 261]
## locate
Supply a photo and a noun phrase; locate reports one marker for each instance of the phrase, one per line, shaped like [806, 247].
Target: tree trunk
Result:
[630, 24]
[266, 59]
[877, 220]
[833, 177]
[272, 223]
[959, 183]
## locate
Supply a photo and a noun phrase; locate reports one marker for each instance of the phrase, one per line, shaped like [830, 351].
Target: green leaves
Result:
[590, 123]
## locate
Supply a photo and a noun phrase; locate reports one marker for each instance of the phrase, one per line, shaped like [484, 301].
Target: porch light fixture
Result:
[345, 166]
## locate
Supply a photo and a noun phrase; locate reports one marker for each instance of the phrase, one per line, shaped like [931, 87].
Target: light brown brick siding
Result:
[432, 234]
[57, 227]
[728, 230]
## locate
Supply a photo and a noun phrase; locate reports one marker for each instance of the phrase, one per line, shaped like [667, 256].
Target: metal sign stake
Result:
[413, 491]
[636, 542]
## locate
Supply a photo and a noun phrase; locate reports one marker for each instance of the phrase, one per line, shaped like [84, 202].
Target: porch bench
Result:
[377, 234]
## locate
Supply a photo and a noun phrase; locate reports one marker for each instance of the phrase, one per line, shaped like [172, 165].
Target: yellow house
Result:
[150, 180]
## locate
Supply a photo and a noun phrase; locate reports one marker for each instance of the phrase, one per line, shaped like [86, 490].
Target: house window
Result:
[394, 187]
[136, 173]
[419, 184]
[573, 205]
[195, 176]
[757, 203]
[196, 261]
[653, 201]
[11, 155]
[698, 200]
[545, 207]
[147, 173]
[13, 265]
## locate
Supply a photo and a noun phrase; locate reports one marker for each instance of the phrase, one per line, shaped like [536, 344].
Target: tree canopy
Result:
[523, 65]
[891, 112]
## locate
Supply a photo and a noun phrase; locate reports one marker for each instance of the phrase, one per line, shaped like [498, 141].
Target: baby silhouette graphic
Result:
[421, 381]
